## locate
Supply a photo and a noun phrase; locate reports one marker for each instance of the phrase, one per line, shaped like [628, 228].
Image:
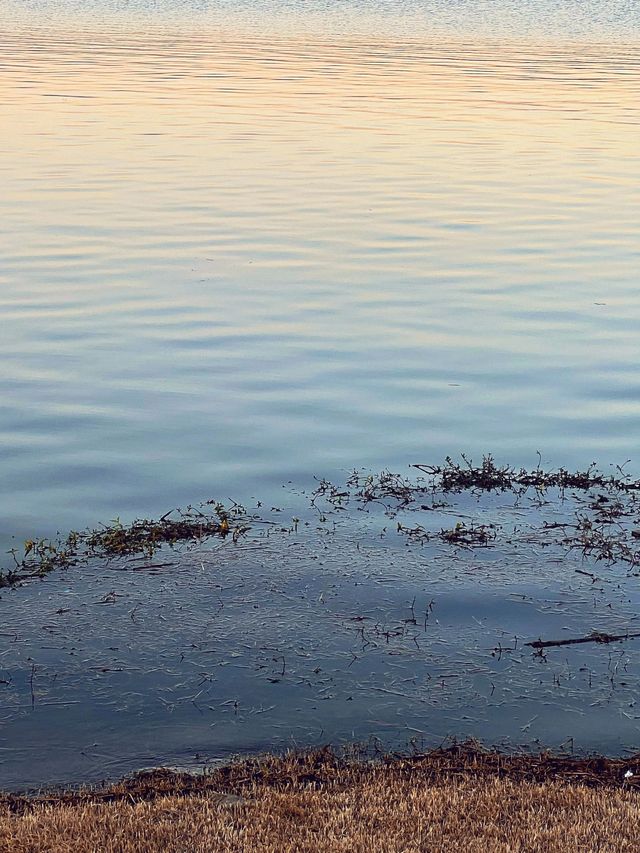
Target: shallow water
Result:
[334, 630]
[244, 245]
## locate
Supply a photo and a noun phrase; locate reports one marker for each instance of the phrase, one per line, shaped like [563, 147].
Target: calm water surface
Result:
[228, 262]
[246, 245]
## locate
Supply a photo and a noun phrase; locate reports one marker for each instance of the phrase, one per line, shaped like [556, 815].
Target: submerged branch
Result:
[594, 637]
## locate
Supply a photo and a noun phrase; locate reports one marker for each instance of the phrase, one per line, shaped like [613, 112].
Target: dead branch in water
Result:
[594, 637]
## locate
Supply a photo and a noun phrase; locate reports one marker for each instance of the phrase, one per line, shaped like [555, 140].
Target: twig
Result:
[594, 637]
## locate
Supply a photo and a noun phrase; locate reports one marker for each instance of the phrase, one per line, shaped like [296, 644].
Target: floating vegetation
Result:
[142, 537]
[488, 476]
[434, 483]
[602, 522]
[454, 477]
[462, 534]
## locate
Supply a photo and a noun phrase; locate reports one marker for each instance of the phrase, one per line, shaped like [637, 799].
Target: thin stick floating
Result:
[594, 637]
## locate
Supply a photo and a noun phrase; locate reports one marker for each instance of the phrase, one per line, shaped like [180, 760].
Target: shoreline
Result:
[326, 767]
[458, 797]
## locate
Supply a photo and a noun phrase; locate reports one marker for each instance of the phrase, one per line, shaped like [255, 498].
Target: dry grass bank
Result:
[317, 803]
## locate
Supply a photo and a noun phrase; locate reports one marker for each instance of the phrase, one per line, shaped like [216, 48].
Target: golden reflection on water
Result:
[478, 133]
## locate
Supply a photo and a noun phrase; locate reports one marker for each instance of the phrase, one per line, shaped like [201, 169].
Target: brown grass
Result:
[452, 800]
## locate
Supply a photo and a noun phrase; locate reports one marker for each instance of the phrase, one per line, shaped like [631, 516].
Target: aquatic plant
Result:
[602, 522]
[141, 537]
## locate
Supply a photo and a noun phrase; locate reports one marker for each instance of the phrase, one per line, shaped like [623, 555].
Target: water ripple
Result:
[240, 257]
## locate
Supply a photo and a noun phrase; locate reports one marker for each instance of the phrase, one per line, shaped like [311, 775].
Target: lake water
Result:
[243, 245]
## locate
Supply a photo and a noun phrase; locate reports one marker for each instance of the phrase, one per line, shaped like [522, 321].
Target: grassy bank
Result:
[454, 799]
